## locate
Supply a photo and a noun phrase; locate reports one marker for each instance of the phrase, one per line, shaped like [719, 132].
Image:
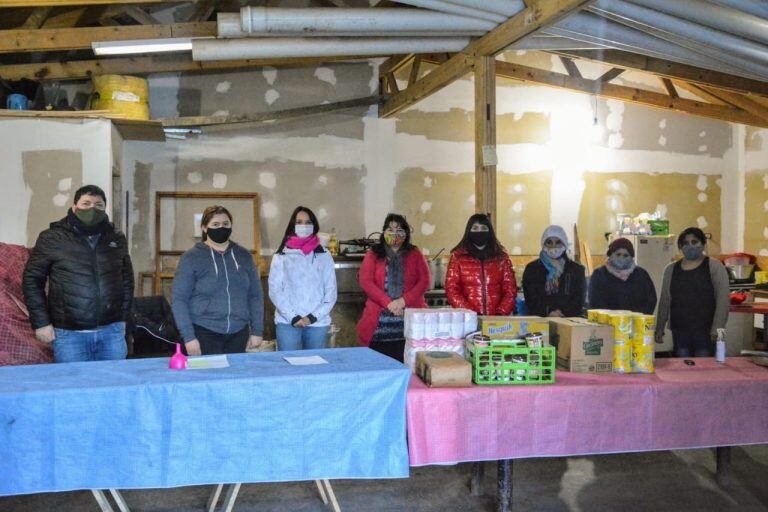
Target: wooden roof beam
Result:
[610, 75]
[536, 15]
[671, 70]
[84, 69]
[36, 18]
[64, 3]
[627, 94]
[81, 38]
[670, 87]
[741, 101]
[698, 91]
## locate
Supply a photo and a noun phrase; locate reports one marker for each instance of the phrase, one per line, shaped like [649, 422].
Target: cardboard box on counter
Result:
[513, 327]
[582, 346]
[443, 369]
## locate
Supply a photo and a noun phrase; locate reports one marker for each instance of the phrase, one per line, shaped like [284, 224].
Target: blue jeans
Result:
[298, 338]
[101, 344]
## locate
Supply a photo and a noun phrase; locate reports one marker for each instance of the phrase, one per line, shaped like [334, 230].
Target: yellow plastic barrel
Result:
[126, 95]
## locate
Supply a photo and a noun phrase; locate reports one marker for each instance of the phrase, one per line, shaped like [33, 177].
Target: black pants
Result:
[692, 343]
[215, 343]
[393, 349]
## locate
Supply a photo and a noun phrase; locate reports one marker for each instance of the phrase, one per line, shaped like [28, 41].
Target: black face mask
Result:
[219, 235]
[479, 238]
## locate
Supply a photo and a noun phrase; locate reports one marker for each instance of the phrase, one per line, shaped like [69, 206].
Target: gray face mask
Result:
[621, 263]
[692, 252]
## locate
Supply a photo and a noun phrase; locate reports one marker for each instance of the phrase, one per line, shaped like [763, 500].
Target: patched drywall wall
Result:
[687, 199]
[756, 186]
[353, 167]
[43, 163]
[317, 161]
[52, 176]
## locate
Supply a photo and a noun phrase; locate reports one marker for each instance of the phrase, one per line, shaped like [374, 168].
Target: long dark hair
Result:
[380, 249]
[290, 229]
[493, 249]
[208, 215]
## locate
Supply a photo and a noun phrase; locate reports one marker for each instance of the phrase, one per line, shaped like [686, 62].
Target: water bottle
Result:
[720, 346]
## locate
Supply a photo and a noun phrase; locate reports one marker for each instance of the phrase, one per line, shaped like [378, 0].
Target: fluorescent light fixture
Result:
[183, 44]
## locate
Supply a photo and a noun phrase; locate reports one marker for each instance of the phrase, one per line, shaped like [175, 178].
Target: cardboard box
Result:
[513, 327]
[443, 369]
[582, 346]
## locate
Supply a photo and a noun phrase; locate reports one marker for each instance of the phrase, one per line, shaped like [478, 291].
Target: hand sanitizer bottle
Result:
[720, 346]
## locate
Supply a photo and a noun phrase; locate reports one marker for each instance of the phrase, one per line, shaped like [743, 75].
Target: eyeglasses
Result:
[397, 232]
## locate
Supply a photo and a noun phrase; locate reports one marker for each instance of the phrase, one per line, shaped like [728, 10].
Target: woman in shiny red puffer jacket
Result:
[480, 276]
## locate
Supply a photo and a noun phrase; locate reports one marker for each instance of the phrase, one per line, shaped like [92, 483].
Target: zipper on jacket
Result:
[95, 261]
[482, 287]
[229, 298]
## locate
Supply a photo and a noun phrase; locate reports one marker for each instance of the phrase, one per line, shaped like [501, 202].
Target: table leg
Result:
[121, 504]
[723, 472]
[504, 489]
[229, 500]
[332, 496]
[321, 489]
[213, 500]
[476, 484]
[102, 500]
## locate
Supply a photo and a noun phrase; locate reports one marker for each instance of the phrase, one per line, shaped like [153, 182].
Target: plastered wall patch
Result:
[65, 184]
[219, 180]
[326, 75]
[270, 74]
[271, 96]
[267, 180]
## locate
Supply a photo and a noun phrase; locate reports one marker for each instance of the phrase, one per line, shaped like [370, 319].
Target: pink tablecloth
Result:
[678, 407]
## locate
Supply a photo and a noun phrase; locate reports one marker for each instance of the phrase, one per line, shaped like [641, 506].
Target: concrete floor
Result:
[654, 482]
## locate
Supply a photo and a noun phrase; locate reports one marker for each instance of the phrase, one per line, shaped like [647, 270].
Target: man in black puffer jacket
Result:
[90, 283]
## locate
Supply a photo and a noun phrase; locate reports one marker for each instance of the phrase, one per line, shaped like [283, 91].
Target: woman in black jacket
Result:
[554, 285]
[620, 284]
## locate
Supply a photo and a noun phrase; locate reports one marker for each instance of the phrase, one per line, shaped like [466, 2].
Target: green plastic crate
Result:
[511, 365]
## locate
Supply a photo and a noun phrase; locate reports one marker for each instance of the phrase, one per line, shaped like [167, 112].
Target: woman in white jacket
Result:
[302, 285]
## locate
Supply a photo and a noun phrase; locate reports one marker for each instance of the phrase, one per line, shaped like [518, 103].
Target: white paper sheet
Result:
[305, 360]
[207, 362]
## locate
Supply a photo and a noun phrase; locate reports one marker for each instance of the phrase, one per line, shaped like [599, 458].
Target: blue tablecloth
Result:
[137, 424]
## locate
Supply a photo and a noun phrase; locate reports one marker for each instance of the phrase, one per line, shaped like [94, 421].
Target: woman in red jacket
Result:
[480, 276]
[395, 276]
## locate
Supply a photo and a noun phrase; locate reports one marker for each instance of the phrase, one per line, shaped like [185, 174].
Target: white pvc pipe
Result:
[744, 53]
[589, 27]
[444, 6]
[757, 8]
[279, 48]
[727, 19]
[506, 8]
[260, 21]
[230, 26]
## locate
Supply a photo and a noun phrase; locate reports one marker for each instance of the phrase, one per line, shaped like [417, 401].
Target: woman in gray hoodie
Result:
[218, 303]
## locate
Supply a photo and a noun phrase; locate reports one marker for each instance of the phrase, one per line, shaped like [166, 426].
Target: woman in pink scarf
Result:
[302, 285]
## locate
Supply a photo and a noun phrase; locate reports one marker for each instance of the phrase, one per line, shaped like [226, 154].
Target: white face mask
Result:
[303, 230]
[554, 252]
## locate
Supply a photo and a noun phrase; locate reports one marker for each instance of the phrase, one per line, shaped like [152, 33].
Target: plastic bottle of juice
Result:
[333, 243]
